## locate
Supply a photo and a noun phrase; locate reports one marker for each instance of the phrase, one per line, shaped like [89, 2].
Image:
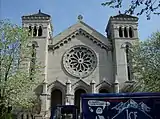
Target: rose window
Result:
[80, 61]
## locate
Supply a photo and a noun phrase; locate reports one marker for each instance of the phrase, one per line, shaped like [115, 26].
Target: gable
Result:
[56, 84]
[104, 83]
[80, 29]
[81, 84]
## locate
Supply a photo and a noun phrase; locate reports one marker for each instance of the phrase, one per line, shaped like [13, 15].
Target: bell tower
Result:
[122, 32]
[40, 30]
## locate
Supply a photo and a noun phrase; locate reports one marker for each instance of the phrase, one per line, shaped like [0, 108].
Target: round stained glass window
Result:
[80, 61]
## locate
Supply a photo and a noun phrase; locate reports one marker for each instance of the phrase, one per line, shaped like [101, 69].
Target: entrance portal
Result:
[77, 96]
[103, 90]
[56, 97]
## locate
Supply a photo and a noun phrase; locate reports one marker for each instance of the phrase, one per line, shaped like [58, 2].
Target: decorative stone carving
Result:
[80, 61]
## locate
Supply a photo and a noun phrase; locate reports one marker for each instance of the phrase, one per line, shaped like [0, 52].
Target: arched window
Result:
[32, 117]
[40, 31]
[120, 32]
[35, 31]
[128, 62]
[131, 32]
[33, 61]
[21, 116]
[30, 30]
[125, 32]
[77, 98]
[27, 116]
[56, 97]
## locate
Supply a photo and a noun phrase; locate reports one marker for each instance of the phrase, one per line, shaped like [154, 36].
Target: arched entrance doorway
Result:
[103, 90]
[56, 97]
[77, 96]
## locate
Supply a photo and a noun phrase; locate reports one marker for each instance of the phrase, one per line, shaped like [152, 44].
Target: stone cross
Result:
[80, 17]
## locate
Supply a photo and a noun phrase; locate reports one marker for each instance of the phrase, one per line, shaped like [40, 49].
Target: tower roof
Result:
[39, 15]
[124, 17]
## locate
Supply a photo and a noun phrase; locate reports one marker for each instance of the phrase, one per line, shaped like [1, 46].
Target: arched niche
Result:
[40, 31]
[77, 96]
[35, 31]
[30, 30]
[120, 32]
[131, 33]
[56, 97]
[103, 90]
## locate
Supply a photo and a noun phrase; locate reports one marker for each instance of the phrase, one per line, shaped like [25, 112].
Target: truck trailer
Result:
[120, 106]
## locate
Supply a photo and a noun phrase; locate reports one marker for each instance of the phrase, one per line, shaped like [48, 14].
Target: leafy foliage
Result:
[16, 88]
[146, 60]
[146, 6]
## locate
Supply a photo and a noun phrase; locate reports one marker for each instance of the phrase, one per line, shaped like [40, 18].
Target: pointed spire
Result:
[92, 82]
[116, 81]
[104, 79]
[68, 81]
[45, 82]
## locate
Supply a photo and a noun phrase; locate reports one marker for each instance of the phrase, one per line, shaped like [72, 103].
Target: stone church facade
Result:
[80, 59]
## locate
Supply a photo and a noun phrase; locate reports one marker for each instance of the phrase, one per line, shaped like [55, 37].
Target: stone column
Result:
[69, 95]
[25, 115]
[37, 30]
[116, 86]
[45, 87]
[44, 95]
[93, 86]
[123, 32]
[32, 31]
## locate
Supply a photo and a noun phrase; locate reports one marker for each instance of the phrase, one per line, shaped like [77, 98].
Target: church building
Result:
[80, 59]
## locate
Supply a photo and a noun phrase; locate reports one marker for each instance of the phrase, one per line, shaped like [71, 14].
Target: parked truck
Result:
[120, 106]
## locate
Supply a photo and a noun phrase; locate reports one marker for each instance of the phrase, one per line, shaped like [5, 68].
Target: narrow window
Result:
[32, 117]
[33, 61]
[128, 62]
[22, 116]
[120, 32]
[40, 31]
[27, 116]
[30, 31]
[130, 32]
[125, 32]
[35, 31]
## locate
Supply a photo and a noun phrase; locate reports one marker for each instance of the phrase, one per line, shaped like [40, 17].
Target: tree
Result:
[147, 7]
[16, 86]
[146, 60]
